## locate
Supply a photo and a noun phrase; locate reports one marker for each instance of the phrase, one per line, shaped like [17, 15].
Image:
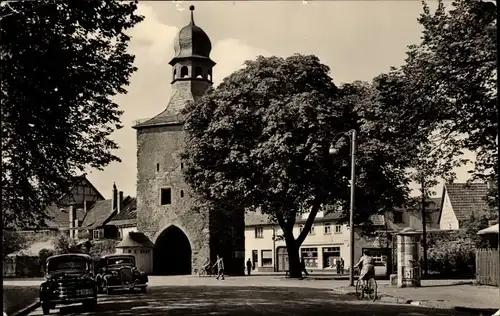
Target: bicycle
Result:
[370, 288]
[206, 272]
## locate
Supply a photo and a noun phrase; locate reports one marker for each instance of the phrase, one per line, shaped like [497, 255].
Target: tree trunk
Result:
[293, 258]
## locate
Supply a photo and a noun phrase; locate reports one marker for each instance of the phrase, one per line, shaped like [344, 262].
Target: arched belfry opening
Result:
[198, 72]
[172, 253]
[184, 72]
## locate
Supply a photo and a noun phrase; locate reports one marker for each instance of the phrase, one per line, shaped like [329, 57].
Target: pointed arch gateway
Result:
[172, 253]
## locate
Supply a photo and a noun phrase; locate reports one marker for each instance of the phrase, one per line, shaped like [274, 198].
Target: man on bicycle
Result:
[367, 267]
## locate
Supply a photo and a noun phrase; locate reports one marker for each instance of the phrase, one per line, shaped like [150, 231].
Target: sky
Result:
[357, 39]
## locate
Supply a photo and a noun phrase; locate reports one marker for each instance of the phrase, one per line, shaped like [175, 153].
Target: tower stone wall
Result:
[160, 143]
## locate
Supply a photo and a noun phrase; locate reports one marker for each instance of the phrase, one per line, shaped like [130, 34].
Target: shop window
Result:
[310, 256]
[267, 258]
[330, 257]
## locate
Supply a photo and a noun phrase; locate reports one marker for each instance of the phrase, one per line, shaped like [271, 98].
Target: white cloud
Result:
[230, 54]
[152, 41]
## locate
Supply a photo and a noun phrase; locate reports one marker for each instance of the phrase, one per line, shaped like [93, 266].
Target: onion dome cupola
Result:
[192, 48]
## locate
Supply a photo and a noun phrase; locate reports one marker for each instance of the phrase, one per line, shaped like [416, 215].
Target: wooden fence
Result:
[487, 268]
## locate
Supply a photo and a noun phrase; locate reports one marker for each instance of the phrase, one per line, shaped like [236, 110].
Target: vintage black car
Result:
[69, 279]
[119, 272]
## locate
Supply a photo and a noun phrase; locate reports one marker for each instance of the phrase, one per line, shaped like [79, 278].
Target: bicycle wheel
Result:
[360, 291]
[372, 289]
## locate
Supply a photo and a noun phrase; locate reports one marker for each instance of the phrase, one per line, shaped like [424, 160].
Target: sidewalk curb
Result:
[28, 309]
[427, 304]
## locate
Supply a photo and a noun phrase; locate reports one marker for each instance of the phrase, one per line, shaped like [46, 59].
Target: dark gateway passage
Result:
[172, 253]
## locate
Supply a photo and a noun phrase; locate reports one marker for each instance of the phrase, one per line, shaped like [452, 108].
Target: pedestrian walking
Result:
[220, 267]
[249, 266]
[303, 266]
[337, 263]
[341, 266]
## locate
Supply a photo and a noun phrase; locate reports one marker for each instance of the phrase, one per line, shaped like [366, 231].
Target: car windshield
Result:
[67, 263]
[120, 261]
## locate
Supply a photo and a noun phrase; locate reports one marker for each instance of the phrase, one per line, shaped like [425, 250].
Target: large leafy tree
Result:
[451, 78]
[62, 64]
[261, 141]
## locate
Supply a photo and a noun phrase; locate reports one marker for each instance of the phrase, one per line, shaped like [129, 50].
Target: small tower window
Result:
[210, 75]
[182, 193]
[157, 167]
[184, 71]
[175, 73]
[198, 72]
[165, 196]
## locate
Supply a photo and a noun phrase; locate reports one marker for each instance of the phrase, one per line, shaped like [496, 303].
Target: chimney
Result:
[450, 181]
[114, 198]
[120, 201]
[71, 213]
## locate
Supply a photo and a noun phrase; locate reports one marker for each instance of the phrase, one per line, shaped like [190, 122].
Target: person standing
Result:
[303, 266]
[249, 266]
[220, 267]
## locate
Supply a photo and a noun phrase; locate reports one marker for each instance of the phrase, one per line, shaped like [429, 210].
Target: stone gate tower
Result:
[183, 237]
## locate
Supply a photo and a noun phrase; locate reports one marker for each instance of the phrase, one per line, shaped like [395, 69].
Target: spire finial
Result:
[191, 7]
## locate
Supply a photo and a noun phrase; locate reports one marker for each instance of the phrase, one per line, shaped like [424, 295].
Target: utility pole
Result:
[351, 213]
[424, 229]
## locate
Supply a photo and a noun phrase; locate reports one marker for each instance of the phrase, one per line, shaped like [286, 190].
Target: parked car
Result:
[69, 278]
[119, 272]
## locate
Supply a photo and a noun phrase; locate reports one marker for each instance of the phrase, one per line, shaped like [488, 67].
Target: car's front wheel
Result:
[46, 308]
[92, 303]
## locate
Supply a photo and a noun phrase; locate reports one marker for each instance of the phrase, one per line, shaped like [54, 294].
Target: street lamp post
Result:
[352, 134]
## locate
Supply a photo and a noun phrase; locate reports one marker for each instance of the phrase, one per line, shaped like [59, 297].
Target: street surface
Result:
[226, 300]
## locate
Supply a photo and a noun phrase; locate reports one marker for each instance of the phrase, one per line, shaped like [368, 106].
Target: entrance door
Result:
[282, 259]
[255, 259]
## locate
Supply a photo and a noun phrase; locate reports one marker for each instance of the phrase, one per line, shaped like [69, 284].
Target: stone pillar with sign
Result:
[409, 272]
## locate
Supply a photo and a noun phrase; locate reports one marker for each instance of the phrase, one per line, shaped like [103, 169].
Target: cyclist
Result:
[367, 268]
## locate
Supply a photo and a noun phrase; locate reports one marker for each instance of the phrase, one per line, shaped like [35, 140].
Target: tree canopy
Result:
[450, 78]
[261, 141]
[62, 64]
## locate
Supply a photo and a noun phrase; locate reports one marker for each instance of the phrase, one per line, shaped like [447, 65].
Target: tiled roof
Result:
[467, 199]
[127, 215]
[255, 218]
[59, 217]
[161, 119]
[135, 239]
[33, 249]
[98, 214]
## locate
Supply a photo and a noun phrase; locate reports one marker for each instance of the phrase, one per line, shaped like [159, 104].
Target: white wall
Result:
[319, 240]
[448, 220]
[143, 257]
[125, 230]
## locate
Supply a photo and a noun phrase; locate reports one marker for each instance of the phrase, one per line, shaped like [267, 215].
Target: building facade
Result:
[183, 237]
[460, 201]
[328, 240]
